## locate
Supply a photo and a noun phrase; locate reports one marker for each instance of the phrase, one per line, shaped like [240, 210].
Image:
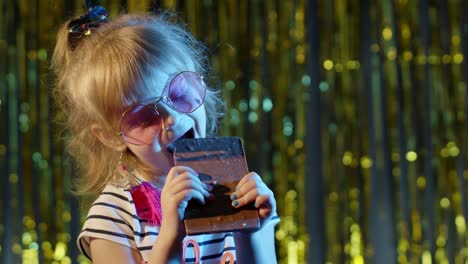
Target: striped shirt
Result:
[113, 217]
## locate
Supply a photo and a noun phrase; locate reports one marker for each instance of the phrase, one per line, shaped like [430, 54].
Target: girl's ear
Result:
[112, 141]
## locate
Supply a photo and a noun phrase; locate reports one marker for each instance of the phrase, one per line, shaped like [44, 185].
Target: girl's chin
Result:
[163, 164]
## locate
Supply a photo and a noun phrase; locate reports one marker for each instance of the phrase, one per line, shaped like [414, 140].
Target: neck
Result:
[155, 177]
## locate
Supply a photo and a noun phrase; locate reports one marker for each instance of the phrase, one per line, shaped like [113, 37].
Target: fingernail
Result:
[208, 187]
[235, 203]
[211, 196]
[233, 196]
[255, 205]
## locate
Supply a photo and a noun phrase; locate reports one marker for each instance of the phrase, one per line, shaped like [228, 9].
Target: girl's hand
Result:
[182, 184]
[250, 189]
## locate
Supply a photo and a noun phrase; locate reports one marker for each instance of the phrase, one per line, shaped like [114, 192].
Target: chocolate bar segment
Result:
[221, 162]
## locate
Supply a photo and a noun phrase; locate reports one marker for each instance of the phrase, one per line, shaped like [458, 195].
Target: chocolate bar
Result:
[219, 161]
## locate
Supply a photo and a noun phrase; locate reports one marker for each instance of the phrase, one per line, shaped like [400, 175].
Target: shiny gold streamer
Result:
[416, 105]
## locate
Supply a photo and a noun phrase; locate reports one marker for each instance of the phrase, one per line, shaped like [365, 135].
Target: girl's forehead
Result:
[152, 81]
[151, 87]
[156, 84]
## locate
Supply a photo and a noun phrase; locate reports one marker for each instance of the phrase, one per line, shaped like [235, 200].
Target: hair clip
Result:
[83, 26]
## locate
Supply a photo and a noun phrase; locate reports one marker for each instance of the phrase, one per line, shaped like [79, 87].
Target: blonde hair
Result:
[114, 66]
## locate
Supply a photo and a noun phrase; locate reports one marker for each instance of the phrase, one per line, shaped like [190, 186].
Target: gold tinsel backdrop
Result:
[354, 112]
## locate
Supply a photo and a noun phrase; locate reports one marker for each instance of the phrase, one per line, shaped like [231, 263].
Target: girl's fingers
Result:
[263, 201]
[249, 177]
[182, 174]
[251, 189]
[245, 187]
[241, 200]
[187, 195]
[266, 205]
[179, 199]
[178, 170]
[189, 184]
[183, 184]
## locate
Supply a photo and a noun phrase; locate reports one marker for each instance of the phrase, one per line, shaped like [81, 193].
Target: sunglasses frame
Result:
[153, 104]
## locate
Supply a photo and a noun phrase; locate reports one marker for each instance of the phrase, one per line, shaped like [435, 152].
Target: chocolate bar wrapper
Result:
[219, 161]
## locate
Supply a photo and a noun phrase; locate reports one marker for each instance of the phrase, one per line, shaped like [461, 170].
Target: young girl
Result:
[130, 88]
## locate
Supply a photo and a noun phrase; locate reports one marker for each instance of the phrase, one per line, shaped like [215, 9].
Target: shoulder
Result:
[112, 216]
[113, 197]
[113, 204]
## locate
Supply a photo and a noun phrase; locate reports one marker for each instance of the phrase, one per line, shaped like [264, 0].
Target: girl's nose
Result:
[169, 117]
[168, 122]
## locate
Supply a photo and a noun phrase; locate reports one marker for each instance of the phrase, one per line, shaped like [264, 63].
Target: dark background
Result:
[354, 113]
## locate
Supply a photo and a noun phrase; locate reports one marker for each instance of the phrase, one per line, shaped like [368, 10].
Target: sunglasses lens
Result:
[187, 92]
[140, 125]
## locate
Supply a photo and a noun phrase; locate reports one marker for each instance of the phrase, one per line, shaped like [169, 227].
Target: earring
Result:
[127, 173]
[121, 165]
